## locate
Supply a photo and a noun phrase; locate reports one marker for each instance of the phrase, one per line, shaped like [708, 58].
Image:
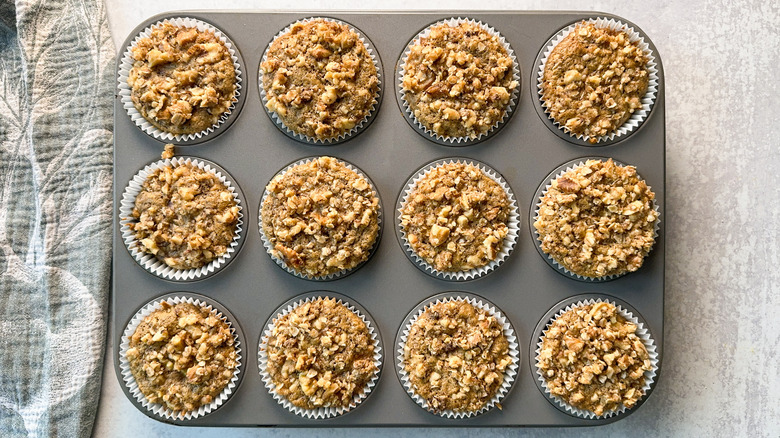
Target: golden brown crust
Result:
[593, 80]
[592, 358]
[320, 217]
[182, 356]
[182, 80]
[456, 217]
[185, 216]
[320, 355]
[458, 80]
[456, 356]
[319, 79]
[598, 219]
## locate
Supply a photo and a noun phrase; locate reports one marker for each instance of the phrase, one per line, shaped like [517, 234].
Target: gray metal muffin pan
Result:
[524, 151]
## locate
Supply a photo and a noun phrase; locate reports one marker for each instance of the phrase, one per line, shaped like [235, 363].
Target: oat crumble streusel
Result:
[593, 80]
[597, 219]
[182, 80]
[456, 217]
[592, 358]
[320, 79]
[458, 80]
[320, 217]
[456, 356]
[320, 355]
[185, 216]
[182, 356]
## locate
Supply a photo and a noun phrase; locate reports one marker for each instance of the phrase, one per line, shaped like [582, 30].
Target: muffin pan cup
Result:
[534, 214]
[423, 130]
[323, 412]
[157, 410]
[636, 119]
[523, 151]
[626, 311]
[352, 132]
[126, 64]
[480, 303]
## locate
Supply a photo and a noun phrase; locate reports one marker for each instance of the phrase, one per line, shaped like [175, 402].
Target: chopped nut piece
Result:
[458, 80]
[172, 68]
[456, 217]
[582, 344]
[168, 152]
[597, 219]
[175, 215]
[165, 370]
[320, 355]
[456, 355]
[320, 217]
[320, 79]
[593, 80]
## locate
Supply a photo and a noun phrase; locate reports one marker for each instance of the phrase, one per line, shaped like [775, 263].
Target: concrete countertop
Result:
[721, 372]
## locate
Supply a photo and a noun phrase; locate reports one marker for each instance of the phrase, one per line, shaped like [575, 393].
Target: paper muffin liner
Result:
[262, 355]
[125, 91]
[642, 332]
[639, 115]
[514, 353]
[507, 246]
[160, 410]
[358, 127]
[409, 114]
[336, 275]
[151, 263]
[542, 191]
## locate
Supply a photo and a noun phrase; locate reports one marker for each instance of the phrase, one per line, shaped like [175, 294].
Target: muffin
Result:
[597, 220]
[320, 218]
[592, 358]
[456, 218]
[183, 80]
[184, 215]
[594, 80]
[320, 358]
[457, 79]
[319, 79]
[183, 358]
[456, 358]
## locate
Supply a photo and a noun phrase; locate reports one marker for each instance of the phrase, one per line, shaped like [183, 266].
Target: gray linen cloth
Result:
[56, 88]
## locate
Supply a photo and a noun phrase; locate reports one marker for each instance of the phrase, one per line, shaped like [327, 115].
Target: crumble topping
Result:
[320, 355]
[597, 219]
[182, 80]
[592, 358]
[320, 79]
[182, 356]
[458, 80]
[456, 355]
[456, 217]
[594, 79]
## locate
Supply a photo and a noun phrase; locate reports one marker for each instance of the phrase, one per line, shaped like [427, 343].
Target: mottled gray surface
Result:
[721, 375]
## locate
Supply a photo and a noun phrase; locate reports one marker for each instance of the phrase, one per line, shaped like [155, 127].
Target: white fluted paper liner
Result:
[148, 261]
[323, 412]
[458, 141]
[642, 332]
[127, 376]
[513, 223]
[125, 92]
[639, 115]
[358, 127]
[344, 272]
[537, 238]
[509, 374]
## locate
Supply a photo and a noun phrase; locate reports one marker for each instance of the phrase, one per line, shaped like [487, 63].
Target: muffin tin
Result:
[252, 149]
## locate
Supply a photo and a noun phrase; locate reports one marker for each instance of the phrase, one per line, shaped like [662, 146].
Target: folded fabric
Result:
[56, 90]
